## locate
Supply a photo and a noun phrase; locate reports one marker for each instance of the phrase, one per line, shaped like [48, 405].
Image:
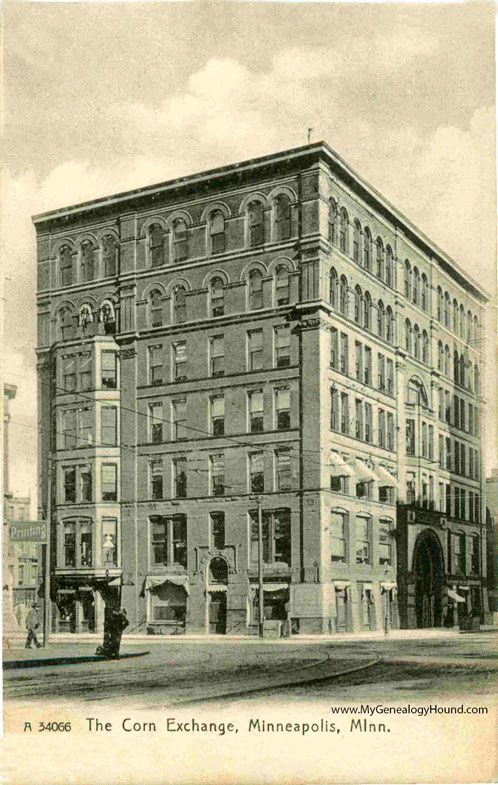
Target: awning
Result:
[388, 585]
[219, 587]
[153, 581]
[385, 477]
[254, 587]
[340, 585]
[367, 586]
[464, 588]
[339, 467]
[454, 596]
[363, 472]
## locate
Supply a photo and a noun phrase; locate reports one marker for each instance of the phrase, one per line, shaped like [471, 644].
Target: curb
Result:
[76, 659]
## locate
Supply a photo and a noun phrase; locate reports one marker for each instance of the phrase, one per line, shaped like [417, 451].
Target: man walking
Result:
[32, 625]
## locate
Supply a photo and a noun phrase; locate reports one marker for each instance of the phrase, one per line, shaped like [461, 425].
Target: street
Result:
[182, 671]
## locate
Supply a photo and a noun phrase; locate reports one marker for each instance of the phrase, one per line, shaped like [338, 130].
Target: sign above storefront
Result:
[28, 531]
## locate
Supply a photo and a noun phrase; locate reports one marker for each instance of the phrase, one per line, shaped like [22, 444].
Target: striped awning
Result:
[454, 596]
[339, 467]
[385, 477]
[154, 581]
[362, 472]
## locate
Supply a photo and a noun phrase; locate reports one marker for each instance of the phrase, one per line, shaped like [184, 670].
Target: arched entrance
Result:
[217, 595]
[428, 568]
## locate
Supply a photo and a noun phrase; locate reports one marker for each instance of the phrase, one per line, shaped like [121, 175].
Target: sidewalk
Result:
[60, 653]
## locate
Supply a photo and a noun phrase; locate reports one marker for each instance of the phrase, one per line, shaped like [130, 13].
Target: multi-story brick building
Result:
[271, 330]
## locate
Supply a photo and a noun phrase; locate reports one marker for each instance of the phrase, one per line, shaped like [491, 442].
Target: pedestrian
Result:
[32, 624]
[119, 622]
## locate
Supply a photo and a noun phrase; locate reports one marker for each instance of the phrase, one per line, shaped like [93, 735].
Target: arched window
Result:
[408, 281]
[440, 356]
[367, 249]
[85, 316]
[439, 304]
[156, 246]
[380, 258]
[343, 231]
[217, 231]
[333, 286]
[447, 360]
[282, 285]
[332, 221]
[343, 296]
[389, 325]
[462, 370]
[256, 226]
[156, 308]
[476, 333]
[367, 316]
[108, 317]
[66, 324]
[255, 290]
[424, 299]
[477, 379]
[456, 366]
[425, 347]
[356, 241]
[180, 251]
[446, 309]
[88, 261]
[389, 266]
[66, 265]
[408, 336]
[381, 316]
[416, 393]
[462, 322]
[110, 256]
[455, 316]
[283, 217]
[217, 297]
[469, 327]
[180, 304]
[416, 342]
[416, 286]
[357, 304]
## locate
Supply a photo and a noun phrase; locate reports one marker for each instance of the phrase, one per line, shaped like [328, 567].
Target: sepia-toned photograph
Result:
[250, 469]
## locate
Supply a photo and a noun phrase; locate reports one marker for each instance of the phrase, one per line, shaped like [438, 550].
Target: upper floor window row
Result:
[353, 239]
[359, 306]
[72, 323]
[453, 316]
[89, 261]
[416, 287]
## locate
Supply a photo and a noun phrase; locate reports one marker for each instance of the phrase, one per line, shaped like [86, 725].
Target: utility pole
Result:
[46, 604]
[261, 608]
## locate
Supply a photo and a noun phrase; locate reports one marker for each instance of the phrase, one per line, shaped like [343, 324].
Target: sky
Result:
[102, 97]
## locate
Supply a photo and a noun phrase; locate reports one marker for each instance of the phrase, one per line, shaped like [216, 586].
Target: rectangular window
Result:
[155, 365]
[462, 414]
[456, 503]
[255, 349]
[84, 427]
[368, 423]
[382, 428]
[338, 550]
[282, 346]
[69, 429]
[180, 477]
[256, 472]
[276, 536]
[362, 540]
[255, 401]
[471, 463]
[109, 542]
[470, 419]
[69, 474]
[86, 544]
[86, 484]
[217, 465]
[448, 500]
[448, 452]
[156, 479]
[368, 365]
[155, 423]
[441, 451]
[410, 437]
[217, 355]
[283, 470]
[390, 431]
[85, 371]
[431, 442]
[218, 415]
[344, 353]
[109, 482]
[334, 409]
[160, 541]
[69, 373]
[180, 419]
[358, 407]
[411, 493]
[334, 348]
[441, 403]
[386, 494]
[456, 462]
[218, 530]
[359, 360]
[109, 425]
[463, 503]
[424, 440]
[70, 544]
[109, 370]
[179, 539]
[381, 366]
[385, 557]
[179, 361]
[447, 406]
[442, 498]
[282, 407]
[20, 575]
[364, 489]
[474, 555]
[344, 413]
[390, 377]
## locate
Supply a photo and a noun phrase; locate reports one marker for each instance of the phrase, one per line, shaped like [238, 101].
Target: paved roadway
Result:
[182, 671]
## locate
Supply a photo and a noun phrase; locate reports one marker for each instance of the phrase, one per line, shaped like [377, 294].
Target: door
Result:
[217, 613]
[342, 611]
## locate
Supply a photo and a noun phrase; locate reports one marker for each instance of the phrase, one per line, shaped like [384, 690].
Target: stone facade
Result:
[272, 333]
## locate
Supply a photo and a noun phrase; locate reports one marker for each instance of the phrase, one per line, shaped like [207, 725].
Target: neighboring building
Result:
[271, 329]
[492, 541]
[19, 560]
